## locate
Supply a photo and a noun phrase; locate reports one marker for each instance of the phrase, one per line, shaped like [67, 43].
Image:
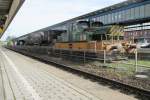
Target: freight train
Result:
[83, 36]
[41, 38]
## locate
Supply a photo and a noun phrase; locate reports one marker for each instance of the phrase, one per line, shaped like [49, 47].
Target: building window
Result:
[137, 12]
[94, 19]
[119, 16]
[113, 17]
[106, 19]
[100, 18]
[109, 18]
[103, 19]
[147, 10]
[128, 14]
[132, 13]
[116, 16]
[142, 11]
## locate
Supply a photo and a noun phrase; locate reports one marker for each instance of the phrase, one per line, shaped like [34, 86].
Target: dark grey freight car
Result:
[41, 38]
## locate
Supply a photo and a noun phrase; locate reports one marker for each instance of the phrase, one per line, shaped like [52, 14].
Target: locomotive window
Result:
[121, 37]
[97, 24]
[83, 24]
[118, 37]
[98, 37]
[115, 38]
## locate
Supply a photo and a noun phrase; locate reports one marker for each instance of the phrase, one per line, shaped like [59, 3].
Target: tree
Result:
[9, 40]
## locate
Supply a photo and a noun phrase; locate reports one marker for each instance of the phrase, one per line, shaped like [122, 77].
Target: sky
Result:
[37, 14]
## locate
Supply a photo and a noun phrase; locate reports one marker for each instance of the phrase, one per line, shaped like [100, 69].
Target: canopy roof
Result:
[8, 9]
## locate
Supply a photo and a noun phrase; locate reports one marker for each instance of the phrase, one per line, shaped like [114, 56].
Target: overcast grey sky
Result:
[37, 14]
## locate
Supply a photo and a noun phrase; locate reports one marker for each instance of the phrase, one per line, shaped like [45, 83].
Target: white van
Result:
[142, 42]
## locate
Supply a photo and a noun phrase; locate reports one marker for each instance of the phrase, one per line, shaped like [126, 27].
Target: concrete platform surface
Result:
[23, 78]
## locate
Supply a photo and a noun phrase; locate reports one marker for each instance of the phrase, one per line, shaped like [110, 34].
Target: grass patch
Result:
[141, 62]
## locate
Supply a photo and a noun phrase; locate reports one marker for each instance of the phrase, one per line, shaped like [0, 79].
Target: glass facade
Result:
[120, 15]
[128, 14]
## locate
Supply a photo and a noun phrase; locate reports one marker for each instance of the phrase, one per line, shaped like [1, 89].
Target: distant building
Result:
[137, 31]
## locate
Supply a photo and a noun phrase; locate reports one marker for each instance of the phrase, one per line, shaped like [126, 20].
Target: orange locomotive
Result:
[93, 38]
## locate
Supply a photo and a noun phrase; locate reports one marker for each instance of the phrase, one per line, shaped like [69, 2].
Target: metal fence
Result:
[131, 63]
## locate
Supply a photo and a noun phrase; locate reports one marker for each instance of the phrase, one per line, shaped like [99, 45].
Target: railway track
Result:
[141, 93]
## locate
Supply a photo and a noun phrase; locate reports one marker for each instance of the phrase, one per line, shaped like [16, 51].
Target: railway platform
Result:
[23, 78]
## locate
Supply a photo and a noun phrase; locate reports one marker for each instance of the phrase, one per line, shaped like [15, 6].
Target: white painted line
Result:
[27, 85]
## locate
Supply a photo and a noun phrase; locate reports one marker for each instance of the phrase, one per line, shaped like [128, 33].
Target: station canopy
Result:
[8, 9]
